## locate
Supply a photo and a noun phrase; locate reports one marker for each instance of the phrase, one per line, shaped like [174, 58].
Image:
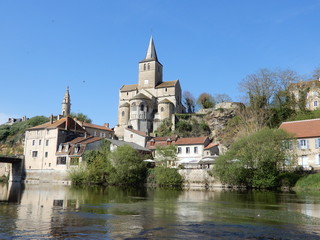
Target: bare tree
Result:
[219, 98]
[316, 74]
[189, 101]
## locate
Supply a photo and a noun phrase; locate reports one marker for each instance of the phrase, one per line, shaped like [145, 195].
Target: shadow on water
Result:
[11, 192]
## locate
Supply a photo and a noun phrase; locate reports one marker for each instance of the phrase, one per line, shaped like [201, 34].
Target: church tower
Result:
[66, 104]
[150, 69]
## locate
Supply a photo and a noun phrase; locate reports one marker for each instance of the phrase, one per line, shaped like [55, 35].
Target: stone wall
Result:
[199, 179]
[47, 176]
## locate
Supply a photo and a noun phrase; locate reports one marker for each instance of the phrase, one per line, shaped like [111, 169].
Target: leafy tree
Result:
[189, 101]
[165, 128]
[165, 177]
[81, 117]
[129, 166]
[166, 154]
[254, 161]
[205, 100]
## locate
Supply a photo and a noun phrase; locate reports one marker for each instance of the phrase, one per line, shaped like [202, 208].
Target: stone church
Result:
[144, 105]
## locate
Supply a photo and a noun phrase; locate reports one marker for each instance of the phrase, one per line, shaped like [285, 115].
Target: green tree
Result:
[81, 117]
[255, 160]
[166, 154]
[205, 100]
[129, 166]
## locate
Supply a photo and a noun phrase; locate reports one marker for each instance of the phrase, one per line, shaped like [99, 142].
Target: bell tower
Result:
[66, 104]
[150, 69]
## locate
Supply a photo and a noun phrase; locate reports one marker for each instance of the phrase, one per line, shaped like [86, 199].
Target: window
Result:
[77, 148]
[162, 109]
[122, 114]
[148, 66]
[47, 142]
[34, 153]
[179, 150]
[33, 142]
[131, 135]
[142, 107]
[58, 203]
[60, 147]
[187, 149]
[144, 67]
[61, 160]
[95, 133]
[317, 142]
[166, 89]
[315, 103]
[146, 82]
[46, 154]
[195, 149]
[39, 141]
[303, 144]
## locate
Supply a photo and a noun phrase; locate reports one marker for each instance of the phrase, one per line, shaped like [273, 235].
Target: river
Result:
[48, 211]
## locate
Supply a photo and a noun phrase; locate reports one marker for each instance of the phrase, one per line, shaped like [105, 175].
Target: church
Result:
[143, 106]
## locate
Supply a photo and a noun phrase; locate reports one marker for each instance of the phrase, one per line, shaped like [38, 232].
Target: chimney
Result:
[51, 119]
[106, 125]
[58, 117]
[169, 141]
[67, 123]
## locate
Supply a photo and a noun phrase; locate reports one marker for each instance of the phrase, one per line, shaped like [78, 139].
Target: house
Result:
[42, 141]
[114, 144]
[193, 152]
[310, 90]
[307, 147]
[97, 130]
[135, 136]
[69, 154]
[196, 152]
[144, 105]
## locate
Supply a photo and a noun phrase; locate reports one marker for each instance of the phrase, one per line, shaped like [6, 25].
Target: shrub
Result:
[309, 182]
[165, 177]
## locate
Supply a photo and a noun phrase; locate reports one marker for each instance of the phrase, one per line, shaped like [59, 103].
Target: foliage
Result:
[129, 167]
[205, 100]
[192, 128]
[254, 160]
[165, 177]
[296, 116]
[164, 129]
[302, 99]
[166, 154]
[121, 167]
[189, 101]
[81, 117]
[309, 182]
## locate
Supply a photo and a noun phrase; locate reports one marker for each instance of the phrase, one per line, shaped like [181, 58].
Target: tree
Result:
[255, 160]
[189, 101]
[166, 154]
[205, 100]
[316, 74]
[219, 98]
[81, 117]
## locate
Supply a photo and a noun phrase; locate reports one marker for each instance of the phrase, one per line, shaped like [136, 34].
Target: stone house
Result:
[144, 105]
[306, 142]
[312, 93]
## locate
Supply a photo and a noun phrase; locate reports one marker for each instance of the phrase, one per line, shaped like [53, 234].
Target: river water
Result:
[63, 212]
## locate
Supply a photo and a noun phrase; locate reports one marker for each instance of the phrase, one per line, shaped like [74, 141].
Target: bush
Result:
[165, 177]
[309, 182]
[253, 161]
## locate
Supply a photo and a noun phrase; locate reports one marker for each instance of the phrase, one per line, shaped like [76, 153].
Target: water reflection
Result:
[57, 211]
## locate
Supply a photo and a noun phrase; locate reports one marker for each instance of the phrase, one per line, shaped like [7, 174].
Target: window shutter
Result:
[307, 143]
[316, 144]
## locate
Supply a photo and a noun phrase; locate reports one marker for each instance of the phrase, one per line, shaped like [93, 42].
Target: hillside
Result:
[12, 136]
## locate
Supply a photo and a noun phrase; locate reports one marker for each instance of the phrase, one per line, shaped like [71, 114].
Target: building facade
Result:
[144, 105]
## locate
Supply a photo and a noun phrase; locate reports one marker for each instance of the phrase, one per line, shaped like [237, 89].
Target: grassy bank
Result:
[308, 183]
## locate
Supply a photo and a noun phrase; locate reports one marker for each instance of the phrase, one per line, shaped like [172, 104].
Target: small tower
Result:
[66, 104]
[150, 69]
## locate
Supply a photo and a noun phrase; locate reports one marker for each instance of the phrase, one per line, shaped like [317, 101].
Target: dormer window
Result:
[77, 148]
[60, 147]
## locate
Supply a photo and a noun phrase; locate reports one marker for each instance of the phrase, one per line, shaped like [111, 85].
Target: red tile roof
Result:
[303, 129]
[210, 145]
[61, 124]
[90, 125]
[191, 141]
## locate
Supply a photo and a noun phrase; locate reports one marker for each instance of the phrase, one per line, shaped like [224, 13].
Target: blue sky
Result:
[94, 47]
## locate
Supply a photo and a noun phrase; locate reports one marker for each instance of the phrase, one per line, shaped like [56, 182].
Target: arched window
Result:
[162, 109]
[122, 114]
[147, 109]
[142, 107]
[134, 107]
[144, 67]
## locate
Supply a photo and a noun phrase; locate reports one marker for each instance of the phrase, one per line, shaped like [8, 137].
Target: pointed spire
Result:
[151, 52]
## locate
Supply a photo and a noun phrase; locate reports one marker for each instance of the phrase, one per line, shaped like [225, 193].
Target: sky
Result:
[94, 47]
